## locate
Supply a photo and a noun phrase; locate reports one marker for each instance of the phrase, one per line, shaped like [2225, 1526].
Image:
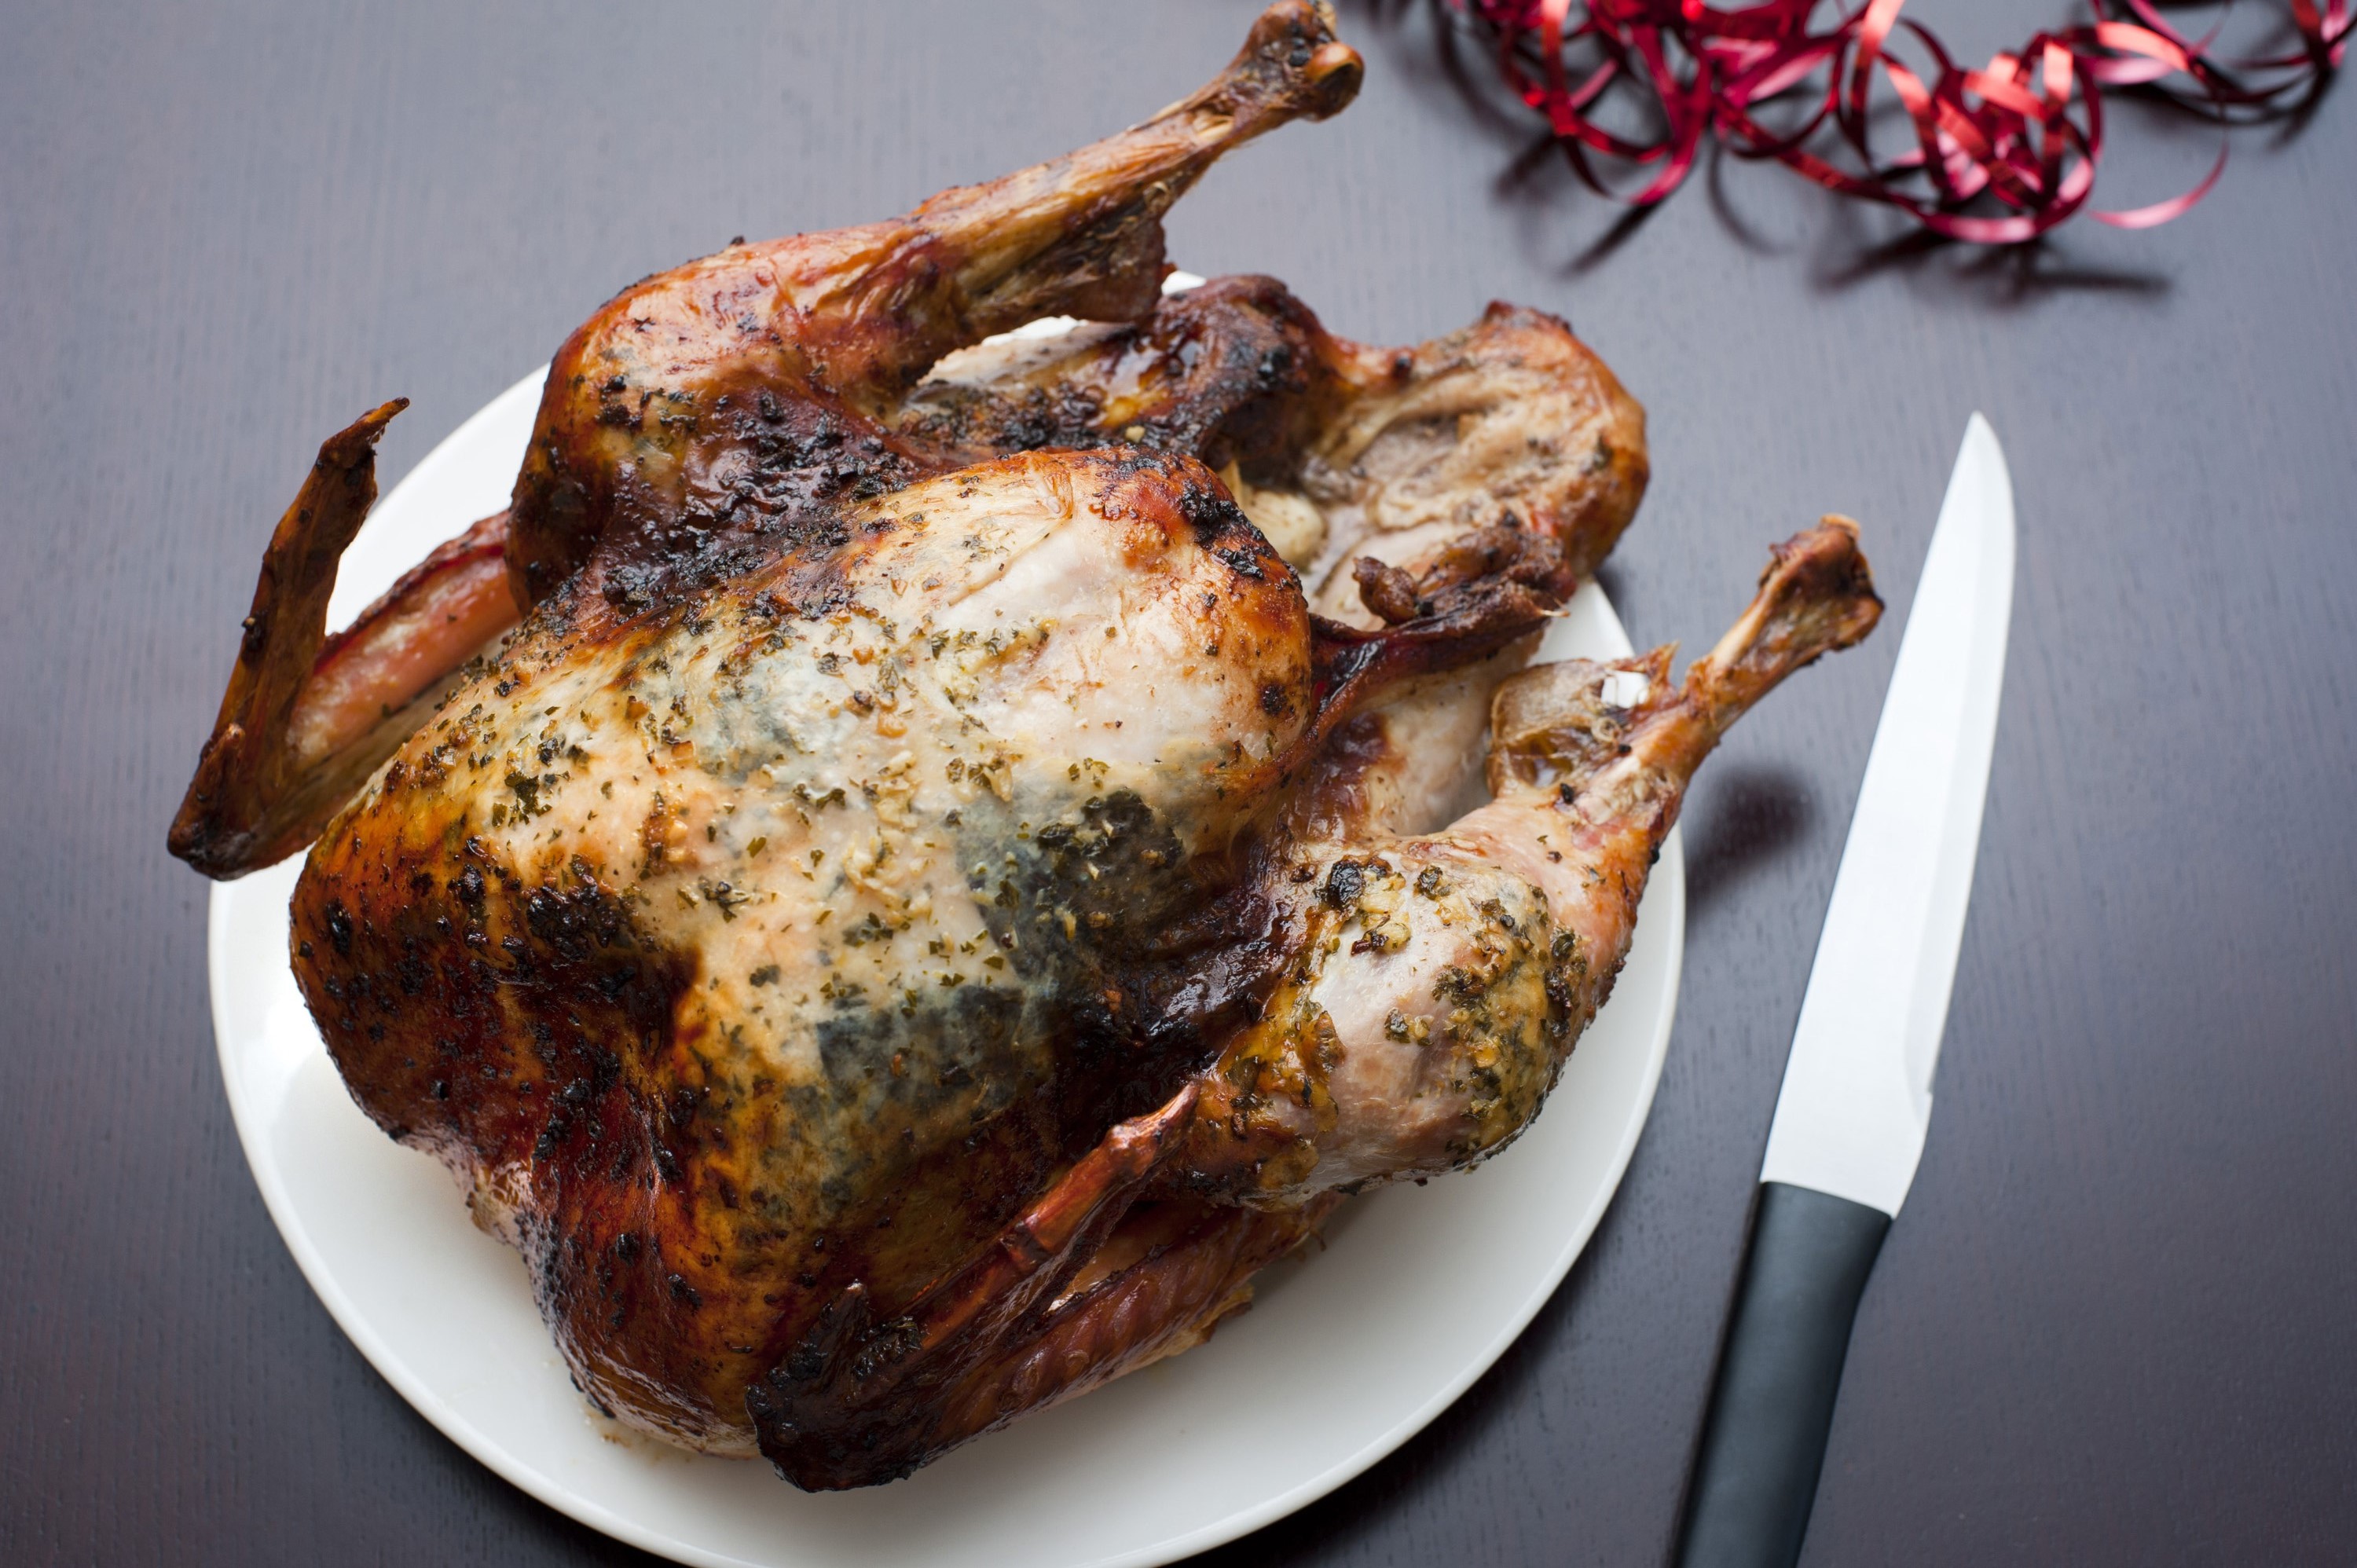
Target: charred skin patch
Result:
[424, 967]
[1235, 370]
[767, 474]
[1139, 960]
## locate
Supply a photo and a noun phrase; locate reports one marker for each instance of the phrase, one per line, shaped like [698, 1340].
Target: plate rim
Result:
[1667, 881]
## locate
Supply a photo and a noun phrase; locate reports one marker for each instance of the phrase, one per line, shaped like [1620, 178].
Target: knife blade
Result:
[1856, 1100]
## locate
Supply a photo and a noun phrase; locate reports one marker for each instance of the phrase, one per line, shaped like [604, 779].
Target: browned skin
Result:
[1086, 1284]
[535, 939]
[760, 380]
[251, 801]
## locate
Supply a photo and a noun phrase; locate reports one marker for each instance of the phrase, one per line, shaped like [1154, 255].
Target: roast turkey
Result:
[910, 863]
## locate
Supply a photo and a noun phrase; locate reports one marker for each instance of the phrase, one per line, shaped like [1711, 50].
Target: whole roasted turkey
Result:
[899, 874]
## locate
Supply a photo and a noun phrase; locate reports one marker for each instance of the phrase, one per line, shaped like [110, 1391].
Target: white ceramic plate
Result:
[1345, 1355]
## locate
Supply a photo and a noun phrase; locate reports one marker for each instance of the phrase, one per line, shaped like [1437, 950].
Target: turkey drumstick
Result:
[752, 383]
[1444, 976]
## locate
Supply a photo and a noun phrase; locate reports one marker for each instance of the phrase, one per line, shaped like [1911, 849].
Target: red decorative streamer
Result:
[2000, 155]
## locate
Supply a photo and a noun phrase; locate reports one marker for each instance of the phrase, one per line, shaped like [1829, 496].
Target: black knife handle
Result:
[1763, 1442]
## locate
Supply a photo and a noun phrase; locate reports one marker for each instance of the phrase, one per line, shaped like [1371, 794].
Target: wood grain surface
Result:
[2113, 1325]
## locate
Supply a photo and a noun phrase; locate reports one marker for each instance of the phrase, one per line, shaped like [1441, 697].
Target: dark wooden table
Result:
[2114, 1325]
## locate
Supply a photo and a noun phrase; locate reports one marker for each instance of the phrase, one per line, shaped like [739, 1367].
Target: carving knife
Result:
[1856, 1098]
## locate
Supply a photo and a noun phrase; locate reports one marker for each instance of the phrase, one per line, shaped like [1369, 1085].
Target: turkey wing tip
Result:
[238, 814]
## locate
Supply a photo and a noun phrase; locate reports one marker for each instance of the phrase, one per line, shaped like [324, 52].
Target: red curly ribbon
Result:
[2000, 155]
